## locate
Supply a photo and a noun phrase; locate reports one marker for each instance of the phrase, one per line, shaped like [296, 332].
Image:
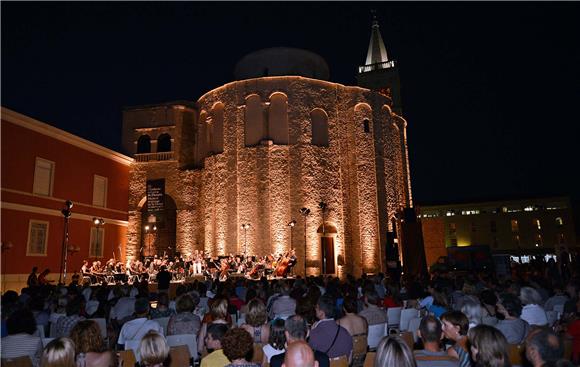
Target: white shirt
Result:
[270, 351]
[534, 315]
[136, 329]
[125, 307]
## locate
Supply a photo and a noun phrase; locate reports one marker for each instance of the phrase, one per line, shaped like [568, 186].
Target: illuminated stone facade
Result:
[256, 151]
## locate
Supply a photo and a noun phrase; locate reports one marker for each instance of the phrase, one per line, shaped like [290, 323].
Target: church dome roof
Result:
[279, 61]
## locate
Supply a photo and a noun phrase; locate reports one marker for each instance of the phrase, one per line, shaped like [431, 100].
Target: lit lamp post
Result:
[245, 227]
[292, 224]
[98, 222]
[66, 212]
[153, 229]
[304, 212]
[5, 247]
[324, 208]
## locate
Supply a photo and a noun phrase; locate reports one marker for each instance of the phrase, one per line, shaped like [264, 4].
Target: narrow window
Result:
[537, 224]
[97, 241]
[319, 121]
[515, 227]
[37, 238]
[43, 177]
[516, 240]
[539, 240]
[559, 222]
[366, 126]
[100, 191]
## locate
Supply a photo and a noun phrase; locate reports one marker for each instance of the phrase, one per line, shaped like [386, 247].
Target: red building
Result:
[42, 168]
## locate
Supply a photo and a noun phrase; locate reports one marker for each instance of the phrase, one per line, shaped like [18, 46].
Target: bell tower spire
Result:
[379, 73]
[377, 53]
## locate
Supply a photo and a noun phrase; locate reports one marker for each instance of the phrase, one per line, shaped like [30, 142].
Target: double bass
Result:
[282, 266]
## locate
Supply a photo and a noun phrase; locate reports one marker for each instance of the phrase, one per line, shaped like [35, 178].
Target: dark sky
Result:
[490, 90]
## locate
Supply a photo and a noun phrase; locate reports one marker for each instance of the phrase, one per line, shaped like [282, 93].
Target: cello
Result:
[224, 271]
[282, 266]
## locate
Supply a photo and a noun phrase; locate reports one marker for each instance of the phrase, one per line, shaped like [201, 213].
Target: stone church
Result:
[280, 158]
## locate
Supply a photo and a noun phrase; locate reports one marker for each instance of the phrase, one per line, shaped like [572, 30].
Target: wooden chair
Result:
[515, 353]
[359, 349]
[407, 315]
[179, 356]
[17, 362]
[258, 356]
[407, 337]
[567, 348]
[341, 361]
[370, 359]
[127, 357]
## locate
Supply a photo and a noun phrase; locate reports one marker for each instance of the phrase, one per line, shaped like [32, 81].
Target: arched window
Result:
[319, 121]
[217, 118]
[278, 119]
[367, 126]
[144, 144]
[254, 125]
[164, 143]
[559, 222]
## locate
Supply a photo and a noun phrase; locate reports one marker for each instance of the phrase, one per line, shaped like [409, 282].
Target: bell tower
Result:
[379, 73]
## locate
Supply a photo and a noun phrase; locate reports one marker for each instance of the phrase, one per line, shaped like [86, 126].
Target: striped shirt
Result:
[19, 345]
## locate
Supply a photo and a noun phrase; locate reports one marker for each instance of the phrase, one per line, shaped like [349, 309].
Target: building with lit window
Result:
[42, 168]
[520, 228]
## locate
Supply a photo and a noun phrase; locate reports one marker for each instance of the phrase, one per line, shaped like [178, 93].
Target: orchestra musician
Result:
[219, 268]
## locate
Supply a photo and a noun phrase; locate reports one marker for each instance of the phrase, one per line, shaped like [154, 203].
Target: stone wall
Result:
[361, 175]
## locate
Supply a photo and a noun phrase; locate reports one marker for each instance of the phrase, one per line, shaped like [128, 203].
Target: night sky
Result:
[490, 90]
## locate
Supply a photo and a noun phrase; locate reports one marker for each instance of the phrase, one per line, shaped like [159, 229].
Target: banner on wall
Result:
[155, 195]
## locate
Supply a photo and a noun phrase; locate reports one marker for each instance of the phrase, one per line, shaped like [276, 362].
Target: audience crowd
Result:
[531, 317]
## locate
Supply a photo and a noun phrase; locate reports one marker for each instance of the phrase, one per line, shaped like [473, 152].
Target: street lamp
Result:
[245, 227]
[5, 247]
[147, 229]
[291, 224]
[66, 212]
[98, 222]
[304, 212]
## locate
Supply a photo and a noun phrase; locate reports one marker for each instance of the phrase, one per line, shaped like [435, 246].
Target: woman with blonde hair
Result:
[256, 322]
[218, 314]
[153, 350]
[59, 353]
[393, 351]
[89, 346]
[489, 348]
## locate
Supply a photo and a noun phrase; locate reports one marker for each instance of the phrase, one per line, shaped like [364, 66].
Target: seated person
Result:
[20, 340]
[140, 325]
[299, 354]
[89, 345]
[431, 334]
[238, 346]
[184, 321]
[393, 351]
[372, 312]
[326, 335]
[59, 353]
[277, 342]
[296, 330]
[153, 350]
[213, 343]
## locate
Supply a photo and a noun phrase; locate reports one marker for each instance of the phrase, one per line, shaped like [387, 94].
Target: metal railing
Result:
[380, 65]
[149, 157]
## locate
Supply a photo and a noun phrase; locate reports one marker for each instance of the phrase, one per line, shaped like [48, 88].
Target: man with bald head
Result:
[296, 331]
[299, 354]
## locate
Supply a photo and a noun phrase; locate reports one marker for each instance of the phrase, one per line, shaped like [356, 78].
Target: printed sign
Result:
[156, 195]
